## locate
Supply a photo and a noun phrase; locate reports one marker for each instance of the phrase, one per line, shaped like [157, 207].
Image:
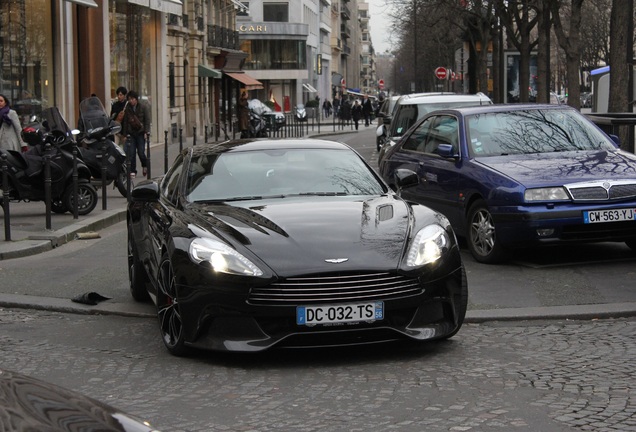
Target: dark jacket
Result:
[356, 112]
[116, 108]
[142, 112]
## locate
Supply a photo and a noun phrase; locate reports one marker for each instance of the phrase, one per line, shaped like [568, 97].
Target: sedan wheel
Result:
[170, 321]
[482, 239]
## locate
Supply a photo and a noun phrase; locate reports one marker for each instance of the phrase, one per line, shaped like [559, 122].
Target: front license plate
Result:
[602, 216]
[339, 314]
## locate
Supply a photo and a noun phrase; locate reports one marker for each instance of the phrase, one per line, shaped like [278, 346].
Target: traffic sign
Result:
[381, 84]
[441, 73]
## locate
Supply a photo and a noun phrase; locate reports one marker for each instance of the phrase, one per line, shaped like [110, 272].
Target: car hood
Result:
[567, 167]
[298, 235]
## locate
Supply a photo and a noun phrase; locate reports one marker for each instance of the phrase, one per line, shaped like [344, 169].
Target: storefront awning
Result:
[208, 72]
[309, 88]
[250, 83]
[166, 6]
[87, 3]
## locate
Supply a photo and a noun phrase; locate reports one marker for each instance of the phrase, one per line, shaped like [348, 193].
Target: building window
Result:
[26, 55]
[243, 12]
[275, 54]
[171, 89]
[276, 12]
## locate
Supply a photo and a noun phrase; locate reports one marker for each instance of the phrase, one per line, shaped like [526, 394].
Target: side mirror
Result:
[446, 150]
[146, 191]
[405, 178]
[616, 139]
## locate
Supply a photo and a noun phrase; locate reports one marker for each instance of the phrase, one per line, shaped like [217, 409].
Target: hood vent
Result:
[385, 213]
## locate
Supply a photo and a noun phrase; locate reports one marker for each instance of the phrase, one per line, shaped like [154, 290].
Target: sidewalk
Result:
[29, 236]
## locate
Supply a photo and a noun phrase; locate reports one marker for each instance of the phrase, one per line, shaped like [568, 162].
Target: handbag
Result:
[135, 123]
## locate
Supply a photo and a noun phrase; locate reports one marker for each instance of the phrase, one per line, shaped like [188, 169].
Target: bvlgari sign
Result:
[259, 28]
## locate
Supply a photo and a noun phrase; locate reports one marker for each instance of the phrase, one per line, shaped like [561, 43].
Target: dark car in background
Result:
[514, 176]
[247, 245]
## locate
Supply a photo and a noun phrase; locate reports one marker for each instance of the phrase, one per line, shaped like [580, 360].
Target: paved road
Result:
[523, 376]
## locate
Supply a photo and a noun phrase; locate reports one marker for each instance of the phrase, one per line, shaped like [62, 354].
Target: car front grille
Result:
[602, 191]
[329, 288]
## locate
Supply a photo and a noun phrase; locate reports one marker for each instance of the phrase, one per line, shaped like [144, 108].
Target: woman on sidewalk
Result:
[10, 128]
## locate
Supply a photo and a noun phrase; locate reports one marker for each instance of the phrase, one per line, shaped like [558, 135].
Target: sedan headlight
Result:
[546, 194]
[222, 258]
[428, 246]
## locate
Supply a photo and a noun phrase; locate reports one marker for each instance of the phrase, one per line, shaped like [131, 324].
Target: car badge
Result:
[606, 185]
[336, 260]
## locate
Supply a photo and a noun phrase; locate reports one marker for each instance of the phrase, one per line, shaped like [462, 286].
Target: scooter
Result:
[300, 113]
[258, 125]
[97, 130]
[26, 171]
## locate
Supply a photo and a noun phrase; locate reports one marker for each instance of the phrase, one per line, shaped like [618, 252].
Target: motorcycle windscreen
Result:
[53, 121]
[93, 114]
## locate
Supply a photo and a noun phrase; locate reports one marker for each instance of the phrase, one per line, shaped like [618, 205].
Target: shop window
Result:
[276, 12]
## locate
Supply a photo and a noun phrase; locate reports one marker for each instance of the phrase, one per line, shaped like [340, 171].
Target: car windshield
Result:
[532, 131]
[410, 113]
[278, 174]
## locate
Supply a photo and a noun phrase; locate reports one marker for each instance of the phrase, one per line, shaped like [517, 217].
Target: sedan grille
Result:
[331, 288]
[602, 191]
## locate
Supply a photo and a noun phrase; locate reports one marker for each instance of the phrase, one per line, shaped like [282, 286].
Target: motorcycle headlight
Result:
[222, 258]
[428, 246]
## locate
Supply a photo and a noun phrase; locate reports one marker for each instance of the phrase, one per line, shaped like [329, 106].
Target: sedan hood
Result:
[325, 234]
[544, 169]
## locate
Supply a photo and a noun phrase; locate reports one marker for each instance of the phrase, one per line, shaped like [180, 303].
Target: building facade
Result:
[189, 59]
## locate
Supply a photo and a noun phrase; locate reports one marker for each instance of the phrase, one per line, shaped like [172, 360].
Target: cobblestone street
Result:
[523, 376]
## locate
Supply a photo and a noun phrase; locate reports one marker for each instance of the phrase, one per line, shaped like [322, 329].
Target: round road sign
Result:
[441, 73]
[381, 84]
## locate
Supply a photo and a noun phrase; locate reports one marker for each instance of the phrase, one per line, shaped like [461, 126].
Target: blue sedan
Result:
[512, 176]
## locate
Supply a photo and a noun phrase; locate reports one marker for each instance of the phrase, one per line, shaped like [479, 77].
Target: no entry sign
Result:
[441, 73]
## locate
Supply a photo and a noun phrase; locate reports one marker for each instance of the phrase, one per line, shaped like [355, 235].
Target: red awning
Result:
[250, 83]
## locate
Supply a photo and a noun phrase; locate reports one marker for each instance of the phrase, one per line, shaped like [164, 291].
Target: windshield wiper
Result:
[322, 194]
[240, 198]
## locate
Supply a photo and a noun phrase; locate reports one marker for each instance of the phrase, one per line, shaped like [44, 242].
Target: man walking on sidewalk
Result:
[367, 108]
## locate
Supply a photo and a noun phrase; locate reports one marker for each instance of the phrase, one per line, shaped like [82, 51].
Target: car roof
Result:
[431, 98]
[267, 144]
[508, 107]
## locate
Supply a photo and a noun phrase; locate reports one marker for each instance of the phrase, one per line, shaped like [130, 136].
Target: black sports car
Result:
[254, 243]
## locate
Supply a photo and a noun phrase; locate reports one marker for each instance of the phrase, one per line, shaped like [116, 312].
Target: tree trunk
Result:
[543, 52]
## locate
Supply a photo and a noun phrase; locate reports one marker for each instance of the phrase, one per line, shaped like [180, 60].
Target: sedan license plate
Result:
[602, 216]
[339, 314]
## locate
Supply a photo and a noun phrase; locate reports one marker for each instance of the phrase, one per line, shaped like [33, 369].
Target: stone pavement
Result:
[29, 236]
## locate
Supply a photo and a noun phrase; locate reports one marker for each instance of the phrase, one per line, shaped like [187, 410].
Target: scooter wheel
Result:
[86, 198]
[121, 183]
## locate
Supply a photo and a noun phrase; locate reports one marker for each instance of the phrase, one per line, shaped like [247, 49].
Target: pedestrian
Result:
[136, 128]
[10, 128]
[356, 112]
[336, 106]
[367, 109]
[243, 115]
[117, 111]
[326, 107]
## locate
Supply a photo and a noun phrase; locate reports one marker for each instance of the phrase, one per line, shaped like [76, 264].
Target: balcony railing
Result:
[222, 37]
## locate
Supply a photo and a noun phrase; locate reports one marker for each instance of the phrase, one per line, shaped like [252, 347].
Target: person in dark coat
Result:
[367, 109]
[136, 124]
[243, 115]
[356, 112]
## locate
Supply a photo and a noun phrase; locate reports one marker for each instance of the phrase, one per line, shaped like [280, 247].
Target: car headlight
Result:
[546, 194]
[428, 246]
[221, 257]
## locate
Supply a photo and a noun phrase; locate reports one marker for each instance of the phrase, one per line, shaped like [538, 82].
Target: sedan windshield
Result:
[532, 131]
[278, 174]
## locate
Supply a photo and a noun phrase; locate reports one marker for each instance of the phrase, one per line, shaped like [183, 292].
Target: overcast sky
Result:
[379, 24]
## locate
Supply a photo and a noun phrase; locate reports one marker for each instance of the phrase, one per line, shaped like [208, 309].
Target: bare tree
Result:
[568, 35]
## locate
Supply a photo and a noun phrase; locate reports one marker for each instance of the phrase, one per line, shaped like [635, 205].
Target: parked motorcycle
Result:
[98, 131]
[26, 173]
[300, 113]
[258, 124]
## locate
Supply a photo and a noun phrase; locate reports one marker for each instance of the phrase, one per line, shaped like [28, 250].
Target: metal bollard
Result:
[127, 147]
[47, 183]
[5, 198]
[165, 152]
[205, 134]
[104, 171]
[148, 159]
[75, 183]
[194, 136]
[180, 139]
